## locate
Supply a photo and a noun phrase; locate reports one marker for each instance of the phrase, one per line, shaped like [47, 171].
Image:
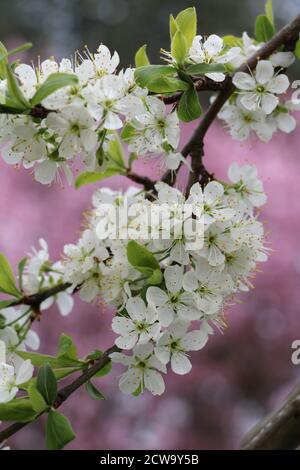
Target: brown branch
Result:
[143, 180]
[201, 84]
[280, 430]
[35, 300]
[65, 392]
[287, 35]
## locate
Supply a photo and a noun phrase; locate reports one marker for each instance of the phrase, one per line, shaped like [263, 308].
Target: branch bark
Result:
[64, 393]
[195, 146]
[280, 430]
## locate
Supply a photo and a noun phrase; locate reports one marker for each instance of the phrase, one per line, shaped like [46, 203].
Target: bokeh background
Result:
[240, 375]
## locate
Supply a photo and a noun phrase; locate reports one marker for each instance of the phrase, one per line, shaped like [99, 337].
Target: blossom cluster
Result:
[82, 118]
[161, 315]
[259, 104]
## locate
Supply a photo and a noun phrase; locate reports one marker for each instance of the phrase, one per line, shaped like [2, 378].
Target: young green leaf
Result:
[3, 61]
[7, 279]
[132, 157]
[15, 94]
[104, 370]
[93, 392]
[66, 347]
[189, 107]
[201, 69]
[21, 267]
[173, 27]
[141, 57]
[139, 257]
[156, 278]
[116, 152]
[4, 53]
[89, 177]
[186, 22]
[38, 360]
[148, 73]
[46, 384]
[264, 30]
[179, 47]
[36, 399]
[269, 11]
[54, 82]
[128, 132]
[232, 41]
[166, 85]
[19, 410]
[5, 303]
[59, 431]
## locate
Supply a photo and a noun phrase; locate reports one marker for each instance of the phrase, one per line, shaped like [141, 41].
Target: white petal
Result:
[213, 45]
[127, 342]
[163, 353]
[282, 59]
[65, 303]
[180, 364]
[173, 278]
[269, 103]
[154, 382]
[243, 81]
[156, 296]
[286, 122]
[194, 340]
[136, 308]
[130, 381]
[24, 373]
[213, 191]
[264, 71]
[45, 172]
[112, 121]
[190, 281]
[166, 315]
[32, 340]
[119, 358]
[122, 325]
[278, 84]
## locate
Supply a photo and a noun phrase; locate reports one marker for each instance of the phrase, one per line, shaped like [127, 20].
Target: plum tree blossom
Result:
[167, 260]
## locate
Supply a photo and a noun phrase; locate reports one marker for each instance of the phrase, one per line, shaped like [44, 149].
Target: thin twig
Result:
[65, 392]
[287, 35]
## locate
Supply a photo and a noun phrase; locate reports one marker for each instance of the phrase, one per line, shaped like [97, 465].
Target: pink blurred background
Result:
[238, 377]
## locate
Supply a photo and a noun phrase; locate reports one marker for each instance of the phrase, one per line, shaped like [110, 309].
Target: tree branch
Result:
[287, 35]
[201, 84]
[35, 300]
[64, 393]
[280, 430]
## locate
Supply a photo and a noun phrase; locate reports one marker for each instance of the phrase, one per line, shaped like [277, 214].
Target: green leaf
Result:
[297, 49]
[66, 347]
[15, 95]
[166, 85]
[156, 278]
[38, 360]
[269, 11]
[59, 431]
[5, 303]
[37, 401]
[147, 73]
[138, 256]
[5, 54]
[19, 410]
[54, 82]
[21, 267]
[141, 57]
[93, 392]
[189, 107]
[92, 356]
[7, 279]
[3, 61]
[116, 152]
[104, 370]
[201, 69]
[89, 177]
[179, 47]
[232, 41]
[138, 391]
[173, 27]
[132, 157]
[186, 21]
[264, 30]
[128, 132]
[46, 384]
